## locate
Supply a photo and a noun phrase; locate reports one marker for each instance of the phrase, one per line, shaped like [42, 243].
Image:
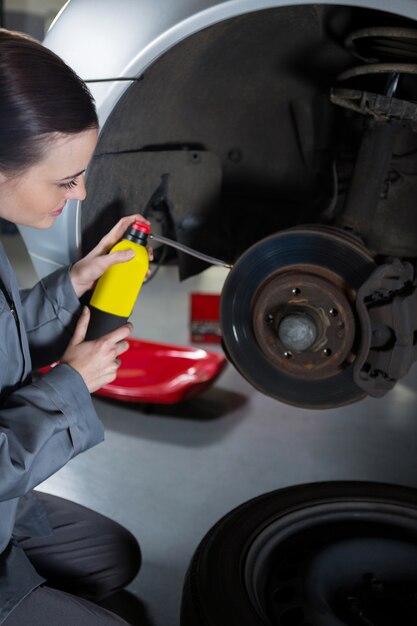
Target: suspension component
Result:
[383, 183]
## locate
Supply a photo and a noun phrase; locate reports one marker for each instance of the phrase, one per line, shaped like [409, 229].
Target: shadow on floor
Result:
[128, 607]
[213, 404]
[200, 421]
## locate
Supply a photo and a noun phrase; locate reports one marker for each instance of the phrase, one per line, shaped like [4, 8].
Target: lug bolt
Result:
[327, 352]
[295, 291]
[288, 354]
[334, 312]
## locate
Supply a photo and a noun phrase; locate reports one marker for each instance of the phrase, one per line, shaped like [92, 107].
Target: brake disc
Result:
[288, 317]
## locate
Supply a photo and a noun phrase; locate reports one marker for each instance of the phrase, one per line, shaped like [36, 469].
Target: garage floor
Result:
[169, 474]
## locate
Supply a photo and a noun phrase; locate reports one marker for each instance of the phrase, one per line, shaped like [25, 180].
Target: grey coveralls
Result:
[44, 420]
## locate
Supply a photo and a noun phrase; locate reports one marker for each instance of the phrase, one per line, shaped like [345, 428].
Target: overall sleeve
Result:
[42, 426]
[46, 420]
[50, 312]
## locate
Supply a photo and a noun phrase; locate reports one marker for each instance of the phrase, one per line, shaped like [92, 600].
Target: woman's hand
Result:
[87, 270]
[96, 361]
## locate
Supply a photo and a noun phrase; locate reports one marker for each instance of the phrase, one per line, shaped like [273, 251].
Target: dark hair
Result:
[39, 95]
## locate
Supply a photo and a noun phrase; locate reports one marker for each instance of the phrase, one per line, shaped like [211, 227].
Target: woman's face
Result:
[38, 195]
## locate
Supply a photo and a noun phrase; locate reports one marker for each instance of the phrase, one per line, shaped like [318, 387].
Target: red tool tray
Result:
[163, 374]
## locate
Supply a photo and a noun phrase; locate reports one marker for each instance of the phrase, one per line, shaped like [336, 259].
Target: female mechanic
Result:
[56, 557]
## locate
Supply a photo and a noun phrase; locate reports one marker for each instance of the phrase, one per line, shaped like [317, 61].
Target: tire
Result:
[319, 554]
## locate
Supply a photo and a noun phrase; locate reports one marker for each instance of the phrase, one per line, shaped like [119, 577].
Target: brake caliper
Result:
[387, 308]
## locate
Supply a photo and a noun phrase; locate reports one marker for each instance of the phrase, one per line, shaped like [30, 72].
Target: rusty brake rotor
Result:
[288, 315]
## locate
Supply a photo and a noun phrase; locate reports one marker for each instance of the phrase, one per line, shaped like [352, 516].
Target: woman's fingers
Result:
[120, 256]
[85, 272]
[96, 361]
[116, 233]
[81, 327]
[121, 333]
[122, 347]
[150, 252]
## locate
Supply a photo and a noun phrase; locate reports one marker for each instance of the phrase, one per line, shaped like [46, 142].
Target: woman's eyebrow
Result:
[73, 176]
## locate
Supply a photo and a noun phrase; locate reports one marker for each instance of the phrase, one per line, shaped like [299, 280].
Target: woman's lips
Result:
[57, 211]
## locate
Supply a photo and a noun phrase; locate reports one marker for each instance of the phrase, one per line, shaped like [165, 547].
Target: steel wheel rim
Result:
[274, 588]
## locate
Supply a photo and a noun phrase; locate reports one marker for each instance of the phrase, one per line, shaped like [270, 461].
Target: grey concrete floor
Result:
[169, 474]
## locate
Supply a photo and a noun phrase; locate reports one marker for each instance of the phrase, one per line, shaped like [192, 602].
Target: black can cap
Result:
[138, 232]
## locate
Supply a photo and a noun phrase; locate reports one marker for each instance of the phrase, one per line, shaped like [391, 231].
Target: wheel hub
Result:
[297, 331]
[303, 322]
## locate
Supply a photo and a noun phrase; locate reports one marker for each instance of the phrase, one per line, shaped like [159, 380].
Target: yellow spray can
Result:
[116, 292]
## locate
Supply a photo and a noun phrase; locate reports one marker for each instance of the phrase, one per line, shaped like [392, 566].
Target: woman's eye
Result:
[70, 184]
